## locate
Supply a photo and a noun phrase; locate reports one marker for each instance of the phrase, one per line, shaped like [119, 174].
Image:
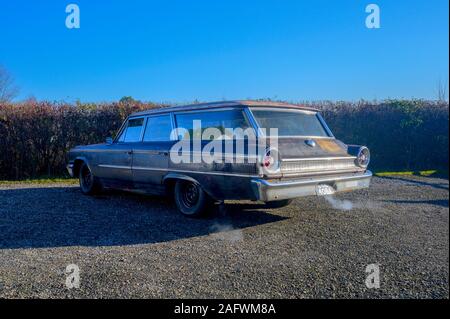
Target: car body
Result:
[157, 149]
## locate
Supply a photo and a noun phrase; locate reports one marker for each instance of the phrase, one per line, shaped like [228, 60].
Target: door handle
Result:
[163, 153]
[129, 152]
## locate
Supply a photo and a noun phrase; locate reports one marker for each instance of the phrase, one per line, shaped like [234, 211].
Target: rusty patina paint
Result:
[329, 146]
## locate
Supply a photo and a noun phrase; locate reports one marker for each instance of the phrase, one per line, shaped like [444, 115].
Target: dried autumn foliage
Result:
[35, 137]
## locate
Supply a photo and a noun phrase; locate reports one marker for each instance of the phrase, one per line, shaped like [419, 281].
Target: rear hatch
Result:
[305, 144]
[314, 156]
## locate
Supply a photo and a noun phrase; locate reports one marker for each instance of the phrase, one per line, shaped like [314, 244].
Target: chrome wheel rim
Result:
[190, 195]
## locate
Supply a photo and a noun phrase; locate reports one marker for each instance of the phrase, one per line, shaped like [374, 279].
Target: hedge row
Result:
[35, 137]
[409, 135]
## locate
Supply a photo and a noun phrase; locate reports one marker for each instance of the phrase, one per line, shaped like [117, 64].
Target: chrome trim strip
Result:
[104, 150]
[221, 104]
[318, 158]
[122, 127]
[224, 155]
[144, 127]
[308, 137]
[283, 109]
[114, 166]
[319, 166]
[149, 152]
[218, 109]
[325, 125]
[140, 168]
[174, 128]
[265, 182]
[355, 169]
[253, 122]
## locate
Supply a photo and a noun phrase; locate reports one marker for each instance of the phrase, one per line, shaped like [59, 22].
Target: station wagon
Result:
[212, 152]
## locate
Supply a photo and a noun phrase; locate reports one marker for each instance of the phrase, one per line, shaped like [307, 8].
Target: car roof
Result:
[214, 105]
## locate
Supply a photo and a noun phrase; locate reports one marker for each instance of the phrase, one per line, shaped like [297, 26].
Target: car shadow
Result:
[62, 216]
[437, 185]
[435, 202]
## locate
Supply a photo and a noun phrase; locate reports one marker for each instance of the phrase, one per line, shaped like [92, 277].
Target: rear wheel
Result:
[89, 184]
[278, 203]
[190, 199]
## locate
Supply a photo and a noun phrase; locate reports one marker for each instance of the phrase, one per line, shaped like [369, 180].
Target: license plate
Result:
[323, 189]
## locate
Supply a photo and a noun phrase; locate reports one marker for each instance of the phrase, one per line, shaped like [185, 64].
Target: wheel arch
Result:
[170, 179]
[77, 163]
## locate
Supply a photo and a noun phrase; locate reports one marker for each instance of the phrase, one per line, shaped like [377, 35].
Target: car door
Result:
[151, 157]
[115, 161]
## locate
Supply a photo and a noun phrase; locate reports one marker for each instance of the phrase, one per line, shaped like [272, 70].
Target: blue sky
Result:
[182, 50]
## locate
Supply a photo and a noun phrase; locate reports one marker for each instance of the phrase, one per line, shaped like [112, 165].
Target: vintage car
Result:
[212, 152]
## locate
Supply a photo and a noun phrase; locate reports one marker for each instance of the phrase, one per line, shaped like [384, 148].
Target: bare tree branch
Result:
[8, 90]
[442, 91]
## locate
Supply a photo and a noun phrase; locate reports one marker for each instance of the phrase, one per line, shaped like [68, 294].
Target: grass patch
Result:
[42, 181]
[414, 173]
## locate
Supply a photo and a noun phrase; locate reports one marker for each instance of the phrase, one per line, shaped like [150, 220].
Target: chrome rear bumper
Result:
[270, 191]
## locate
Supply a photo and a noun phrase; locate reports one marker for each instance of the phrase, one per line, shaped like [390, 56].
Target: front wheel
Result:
[190, 199]
[88, 182]
[278, 203]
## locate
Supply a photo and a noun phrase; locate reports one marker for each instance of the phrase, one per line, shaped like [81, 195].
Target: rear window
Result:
[290, 122]
[221, 120]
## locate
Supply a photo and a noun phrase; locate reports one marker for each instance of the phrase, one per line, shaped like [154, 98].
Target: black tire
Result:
[89, 184]
[279, 203]
[191, 199]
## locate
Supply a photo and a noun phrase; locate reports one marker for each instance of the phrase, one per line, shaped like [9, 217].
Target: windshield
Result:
[290, 122]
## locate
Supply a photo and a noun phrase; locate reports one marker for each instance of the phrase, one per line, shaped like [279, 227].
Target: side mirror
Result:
[109, 140]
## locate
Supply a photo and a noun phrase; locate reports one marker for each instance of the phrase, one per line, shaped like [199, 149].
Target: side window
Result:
[133, 131]
[221, 120]
[158, 129]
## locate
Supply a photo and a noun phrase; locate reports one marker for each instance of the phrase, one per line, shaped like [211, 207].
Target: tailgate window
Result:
[290, 122]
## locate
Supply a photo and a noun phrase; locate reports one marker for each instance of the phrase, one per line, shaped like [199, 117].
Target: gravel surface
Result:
[128, 245]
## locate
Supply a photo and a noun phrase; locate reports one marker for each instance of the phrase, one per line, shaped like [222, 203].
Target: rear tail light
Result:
[363, 157]
[270, 162]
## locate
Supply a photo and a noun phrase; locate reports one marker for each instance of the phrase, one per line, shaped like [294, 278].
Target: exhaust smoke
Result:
[339, 204]
[227, 232]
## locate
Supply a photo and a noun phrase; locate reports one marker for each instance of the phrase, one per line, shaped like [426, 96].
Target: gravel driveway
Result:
[129, 245]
